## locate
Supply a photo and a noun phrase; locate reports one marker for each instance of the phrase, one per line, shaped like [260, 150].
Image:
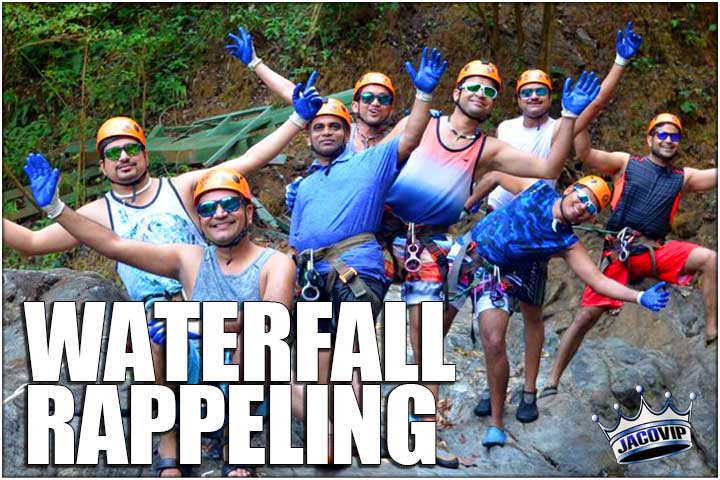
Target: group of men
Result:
[376, 204]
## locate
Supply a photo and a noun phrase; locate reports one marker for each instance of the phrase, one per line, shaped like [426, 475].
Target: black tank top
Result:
[646, 198]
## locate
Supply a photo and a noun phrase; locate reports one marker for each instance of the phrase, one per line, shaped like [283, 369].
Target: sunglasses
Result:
[114, 153]
[368, 97]
[228, 204]
[662, 136]
[539, 91]
[585, 199]
[479, 88]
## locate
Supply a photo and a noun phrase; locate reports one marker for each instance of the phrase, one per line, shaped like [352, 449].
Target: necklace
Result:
[135, 193]
[472, 136]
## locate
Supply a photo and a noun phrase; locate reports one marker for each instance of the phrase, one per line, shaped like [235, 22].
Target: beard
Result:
[658, 153]
[479, 117]
[373, 123]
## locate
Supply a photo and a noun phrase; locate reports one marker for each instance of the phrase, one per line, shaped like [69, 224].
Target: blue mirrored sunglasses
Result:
[368, 97]
[585, 199]
[662, 136]
[229, 205]
[539, 91]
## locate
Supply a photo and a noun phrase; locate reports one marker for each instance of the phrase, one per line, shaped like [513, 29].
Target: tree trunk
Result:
[548, 13]
[519, 28]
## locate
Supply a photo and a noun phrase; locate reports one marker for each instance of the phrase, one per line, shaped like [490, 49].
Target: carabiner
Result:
[412, 261]
[310, 292]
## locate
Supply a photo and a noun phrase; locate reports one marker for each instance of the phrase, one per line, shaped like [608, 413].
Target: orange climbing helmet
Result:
[533, 76]
[119, 127]
[599, 187]
[333, 106]
[374, 78]
[222, 179]
[665, 118]
[482, 69]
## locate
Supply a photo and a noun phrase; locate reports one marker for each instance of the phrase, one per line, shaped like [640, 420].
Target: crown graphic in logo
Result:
[649, 435]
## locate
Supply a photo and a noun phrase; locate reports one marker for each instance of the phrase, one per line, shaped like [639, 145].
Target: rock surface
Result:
[661, 352]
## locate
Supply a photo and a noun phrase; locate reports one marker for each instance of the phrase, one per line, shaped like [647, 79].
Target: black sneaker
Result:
[483, 408]
[527, 409]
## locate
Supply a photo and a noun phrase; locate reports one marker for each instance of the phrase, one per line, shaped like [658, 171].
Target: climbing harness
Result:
[311, 283]
[621, 245]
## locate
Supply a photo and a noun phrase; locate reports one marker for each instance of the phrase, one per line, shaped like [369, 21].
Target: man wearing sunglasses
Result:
[230, 268]
[430, 191]
[154, 210]
[372, 106]
[535, 131]
[536, 224]
[647, 193]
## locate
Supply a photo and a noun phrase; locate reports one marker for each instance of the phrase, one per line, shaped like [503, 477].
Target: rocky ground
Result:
[662, 352]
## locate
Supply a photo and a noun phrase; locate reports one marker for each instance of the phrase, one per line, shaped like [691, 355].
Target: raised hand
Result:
[241, 46]
[427, 77]
[291, 193]
[306, 100]
[575, 99]
[655, 298]
[628, 42]
[43, 183]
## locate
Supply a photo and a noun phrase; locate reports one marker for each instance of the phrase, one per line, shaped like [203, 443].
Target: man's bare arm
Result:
[700, 180]
[53, 238]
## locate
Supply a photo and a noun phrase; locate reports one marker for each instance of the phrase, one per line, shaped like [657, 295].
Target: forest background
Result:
[69, 66]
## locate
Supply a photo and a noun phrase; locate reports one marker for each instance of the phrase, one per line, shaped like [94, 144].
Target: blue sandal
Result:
[494, 437]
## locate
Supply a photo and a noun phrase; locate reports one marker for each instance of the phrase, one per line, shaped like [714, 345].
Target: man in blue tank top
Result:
[230, 268]
[534, 226]
[646, 197]
[225, 228]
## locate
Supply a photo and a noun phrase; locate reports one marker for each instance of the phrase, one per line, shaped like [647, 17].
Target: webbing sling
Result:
[624, 245]
[348, 275]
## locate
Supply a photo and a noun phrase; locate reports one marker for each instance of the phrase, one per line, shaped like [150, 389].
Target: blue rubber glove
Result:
[655, 298]
[427, 77]
[306, 100]
[291, 193]
[575, 99]
[628, 42]
[241, 46]
[43, 180]
[156, 330]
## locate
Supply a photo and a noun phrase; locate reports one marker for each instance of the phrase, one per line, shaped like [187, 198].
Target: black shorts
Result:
[341, 293]
[534, 279]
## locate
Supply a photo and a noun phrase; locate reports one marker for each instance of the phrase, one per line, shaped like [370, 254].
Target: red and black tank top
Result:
[646, 198]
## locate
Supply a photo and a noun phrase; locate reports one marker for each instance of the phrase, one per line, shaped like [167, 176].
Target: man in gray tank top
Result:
[231, 268]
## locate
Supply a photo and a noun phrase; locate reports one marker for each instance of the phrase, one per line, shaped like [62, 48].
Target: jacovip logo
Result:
[649, 435]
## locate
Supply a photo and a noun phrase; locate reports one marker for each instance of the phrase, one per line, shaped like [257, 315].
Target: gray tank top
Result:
[212, 284]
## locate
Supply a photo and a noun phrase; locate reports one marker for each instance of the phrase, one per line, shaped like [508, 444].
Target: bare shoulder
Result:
[279, 263]
[96, 211]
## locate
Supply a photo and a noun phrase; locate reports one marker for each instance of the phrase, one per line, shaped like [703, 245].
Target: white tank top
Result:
[163, 220]
[534, 140]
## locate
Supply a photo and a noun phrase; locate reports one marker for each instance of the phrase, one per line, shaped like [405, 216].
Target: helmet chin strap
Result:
[134, 185]
[479, 119]
[562, 211]
[235, 241]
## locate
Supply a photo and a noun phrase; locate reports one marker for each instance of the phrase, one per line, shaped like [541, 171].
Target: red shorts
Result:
[669, 259]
